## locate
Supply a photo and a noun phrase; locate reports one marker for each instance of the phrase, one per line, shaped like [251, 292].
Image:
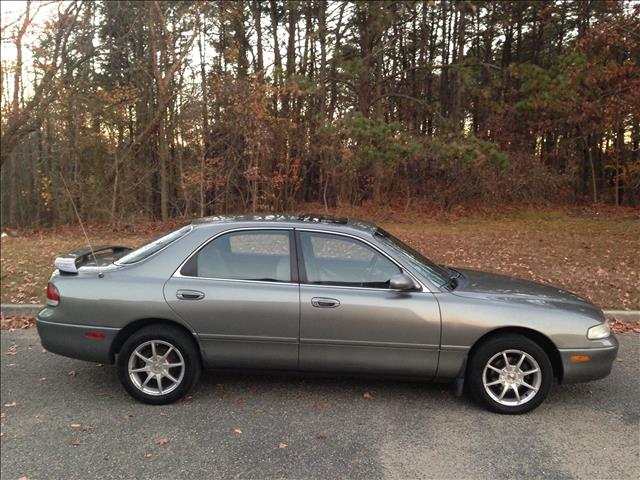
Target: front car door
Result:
[349, 318]
[240, 294]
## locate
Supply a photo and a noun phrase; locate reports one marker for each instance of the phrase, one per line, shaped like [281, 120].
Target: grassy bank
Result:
[592, 253]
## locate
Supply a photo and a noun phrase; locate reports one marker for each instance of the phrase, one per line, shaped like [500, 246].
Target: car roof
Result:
[303, 219]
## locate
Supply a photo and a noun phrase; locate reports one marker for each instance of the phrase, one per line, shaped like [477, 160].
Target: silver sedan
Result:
[316, 294]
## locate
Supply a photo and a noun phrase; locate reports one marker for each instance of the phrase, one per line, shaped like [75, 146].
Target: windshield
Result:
[153, 246]
[435, 273]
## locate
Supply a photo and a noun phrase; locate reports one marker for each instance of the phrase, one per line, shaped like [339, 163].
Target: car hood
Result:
[495, 287]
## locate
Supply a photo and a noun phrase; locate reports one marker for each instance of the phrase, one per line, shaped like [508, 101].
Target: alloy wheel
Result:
[512, 377]
[156, 367]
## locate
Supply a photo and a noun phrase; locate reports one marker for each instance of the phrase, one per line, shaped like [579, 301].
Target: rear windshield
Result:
[153, 246]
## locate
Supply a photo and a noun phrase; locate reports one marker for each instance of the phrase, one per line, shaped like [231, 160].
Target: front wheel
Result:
[510, 374]
[158, 364]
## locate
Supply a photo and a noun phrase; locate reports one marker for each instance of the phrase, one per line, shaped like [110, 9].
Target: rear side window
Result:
[153, 246]
[260, 255]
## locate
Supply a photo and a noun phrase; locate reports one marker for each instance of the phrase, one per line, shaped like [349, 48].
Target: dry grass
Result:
[593, 253]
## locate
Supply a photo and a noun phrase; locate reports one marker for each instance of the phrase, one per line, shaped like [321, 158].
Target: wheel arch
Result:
[541, 339]
[136, 325]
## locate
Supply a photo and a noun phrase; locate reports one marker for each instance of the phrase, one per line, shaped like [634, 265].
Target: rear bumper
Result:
[599, 363]
[70, 340]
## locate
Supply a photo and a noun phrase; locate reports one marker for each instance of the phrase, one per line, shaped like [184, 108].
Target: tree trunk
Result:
[457, 114]
[205, 118]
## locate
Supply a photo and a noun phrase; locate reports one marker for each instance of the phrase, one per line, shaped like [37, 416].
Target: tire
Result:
[511, 389]
[166, 377]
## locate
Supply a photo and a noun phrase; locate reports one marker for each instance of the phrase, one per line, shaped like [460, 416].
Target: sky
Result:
[10, 11]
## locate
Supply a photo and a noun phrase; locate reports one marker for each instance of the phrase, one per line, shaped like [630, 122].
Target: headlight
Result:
[599, 331]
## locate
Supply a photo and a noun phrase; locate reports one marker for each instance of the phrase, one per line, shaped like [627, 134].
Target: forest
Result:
[156, 110]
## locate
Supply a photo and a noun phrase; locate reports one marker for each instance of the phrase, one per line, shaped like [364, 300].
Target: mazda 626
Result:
[316, 294]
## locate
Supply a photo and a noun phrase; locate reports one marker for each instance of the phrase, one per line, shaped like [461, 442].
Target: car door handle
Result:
[322, 302]
[189, 295]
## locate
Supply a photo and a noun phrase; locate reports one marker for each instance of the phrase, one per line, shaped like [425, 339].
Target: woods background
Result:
[155, 110]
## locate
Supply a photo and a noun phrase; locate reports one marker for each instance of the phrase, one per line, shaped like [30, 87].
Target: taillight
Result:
[53, 296]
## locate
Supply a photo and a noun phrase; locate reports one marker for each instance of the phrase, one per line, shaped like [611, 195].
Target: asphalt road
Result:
[329, 427]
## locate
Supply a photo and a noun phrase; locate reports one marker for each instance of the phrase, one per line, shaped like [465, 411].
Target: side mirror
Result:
[401, 281]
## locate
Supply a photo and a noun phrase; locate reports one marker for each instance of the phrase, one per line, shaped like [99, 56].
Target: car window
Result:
[246, 255]
[153, 246]
[435, 273]
[343, 261]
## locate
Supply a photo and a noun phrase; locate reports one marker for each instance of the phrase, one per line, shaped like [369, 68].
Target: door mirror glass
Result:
[401, 281]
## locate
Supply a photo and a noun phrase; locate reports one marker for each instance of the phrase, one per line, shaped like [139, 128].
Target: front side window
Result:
[435, 273]
[247, 255]
[343, 261]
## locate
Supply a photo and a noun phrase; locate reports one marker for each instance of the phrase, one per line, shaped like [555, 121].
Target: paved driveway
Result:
[329, 427]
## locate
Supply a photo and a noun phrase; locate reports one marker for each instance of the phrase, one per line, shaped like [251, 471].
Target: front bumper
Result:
[599, 363]
[70, 340]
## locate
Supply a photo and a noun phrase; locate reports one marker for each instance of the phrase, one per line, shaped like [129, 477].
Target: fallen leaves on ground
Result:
[72, 373]
[619, 326]
[75, 442]
[148, 455]
[282, 445]
[10, 404]
[584, 251]
[593, 257]
[163, 441]
[367, 396]
[75, 425]
[236, 430]
[16, 322]
[12, 350]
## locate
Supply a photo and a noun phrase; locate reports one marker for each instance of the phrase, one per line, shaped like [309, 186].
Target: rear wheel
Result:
[159, 364]
[510, 374]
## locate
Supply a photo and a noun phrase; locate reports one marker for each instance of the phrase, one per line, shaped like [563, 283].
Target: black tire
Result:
[185, 351]
[489, 350]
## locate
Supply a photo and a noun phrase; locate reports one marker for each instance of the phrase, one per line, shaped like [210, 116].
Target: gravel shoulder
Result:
[331, 429]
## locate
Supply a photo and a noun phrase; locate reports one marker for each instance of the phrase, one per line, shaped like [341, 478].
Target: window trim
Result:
[303, 274]
[292, 257]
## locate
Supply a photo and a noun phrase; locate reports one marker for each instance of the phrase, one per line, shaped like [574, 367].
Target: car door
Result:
[240, 294]
[351, 321]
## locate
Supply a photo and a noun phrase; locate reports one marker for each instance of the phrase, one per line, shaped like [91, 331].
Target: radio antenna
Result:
[73, 204]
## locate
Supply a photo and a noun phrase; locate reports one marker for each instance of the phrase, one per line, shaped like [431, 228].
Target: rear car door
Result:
[351, 321]
[240, 294]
